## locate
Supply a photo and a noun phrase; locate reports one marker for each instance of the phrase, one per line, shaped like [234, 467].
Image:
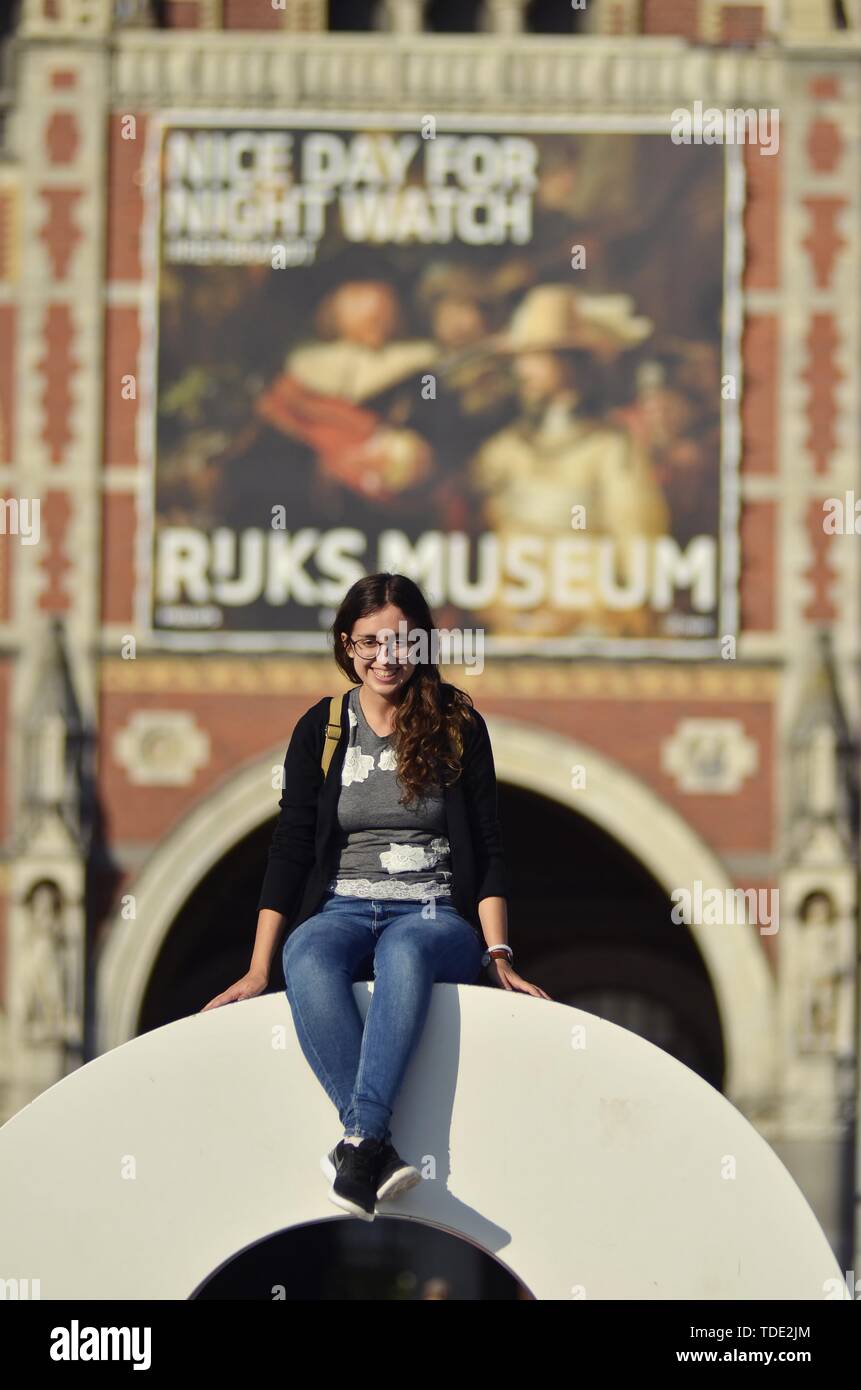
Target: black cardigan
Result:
[304, 848]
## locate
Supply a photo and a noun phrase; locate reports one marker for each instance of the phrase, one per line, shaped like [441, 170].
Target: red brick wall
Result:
[126, 170]
[236, 14]
[8, 321]
[677, 17]
[762, 174]
[759, 402]
[630, 733]
[122, 343]
[182, 14]
[820, 573]
[757, 588]
[742, 24]
[238, 727]
[8, 233]
[739, 24]
[119, 526]
[252, 14]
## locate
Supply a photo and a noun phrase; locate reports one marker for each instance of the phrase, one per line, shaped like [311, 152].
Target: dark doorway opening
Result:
[391, 1259]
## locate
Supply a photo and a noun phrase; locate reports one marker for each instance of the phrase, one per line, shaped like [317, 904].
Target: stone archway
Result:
[630, 812]
[525, 756]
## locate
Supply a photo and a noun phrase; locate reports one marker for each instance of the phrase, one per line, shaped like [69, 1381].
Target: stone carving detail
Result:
[49, 989]
[825, 977]
[162, 748]
[709, 755]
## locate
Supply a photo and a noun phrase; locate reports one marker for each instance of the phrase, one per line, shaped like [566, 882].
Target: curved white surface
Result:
[589, 1162]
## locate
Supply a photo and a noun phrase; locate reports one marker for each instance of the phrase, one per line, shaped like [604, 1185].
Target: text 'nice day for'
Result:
[246, 185]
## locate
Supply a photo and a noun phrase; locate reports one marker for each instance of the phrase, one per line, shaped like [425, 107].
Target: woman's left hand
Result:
[504, 976]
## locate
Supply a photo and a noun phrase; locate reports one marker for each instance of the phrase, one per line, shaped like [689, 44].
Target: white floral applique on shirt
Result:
[399, 857]
[388, 888]
[386, 761]
[357, 766]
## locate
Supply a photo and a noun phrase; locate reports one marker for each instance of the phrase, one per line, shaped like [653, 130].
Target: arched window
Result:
[9, 17]
[453, 16]
[352, 15]
[553, 17]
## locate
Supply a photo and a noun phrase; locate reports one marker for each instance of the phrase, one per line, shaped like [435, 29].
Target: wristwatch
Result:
[493, 950]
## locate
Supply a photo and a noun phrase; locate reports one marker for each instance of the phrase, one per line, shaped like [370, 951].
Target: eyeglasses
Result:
[369, 646]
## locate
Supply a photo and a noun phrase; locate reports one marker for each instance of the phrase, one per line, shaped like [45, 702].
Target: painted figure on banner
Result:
[324, 396]
[564, 453]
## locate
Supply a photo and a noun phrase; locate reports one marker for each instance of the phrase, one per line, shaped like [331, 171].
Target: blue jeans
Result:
[361, 1067]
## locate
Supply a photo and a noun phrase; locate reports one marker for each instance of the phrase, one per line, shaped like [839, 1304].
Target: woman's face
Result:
[378, 669]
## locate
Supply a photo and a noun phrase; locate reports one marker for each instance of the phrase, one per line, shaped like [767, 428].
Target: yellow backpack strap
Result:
[333, 731]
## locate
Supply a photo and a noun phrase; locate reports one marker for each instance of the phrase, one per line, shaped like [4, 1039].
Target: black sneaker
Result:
[353, 1168]
[395, 1174]
[331, 1162]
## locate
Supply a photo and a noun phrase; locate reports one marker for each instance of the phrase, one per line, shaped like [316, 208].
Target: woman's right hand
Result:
[246, 988]
[504, 976]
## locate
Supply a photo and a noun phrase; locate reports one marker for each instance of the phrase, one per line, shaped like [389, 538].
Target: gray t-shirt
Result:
[387, 850]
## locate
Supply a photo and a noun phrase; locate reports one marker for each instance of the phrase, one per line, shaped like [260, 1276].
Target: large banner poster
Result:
[500, 360]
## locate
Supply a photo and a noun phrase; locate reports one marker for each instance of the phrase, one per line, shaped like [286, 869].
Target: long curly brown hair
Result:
[432, 716]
